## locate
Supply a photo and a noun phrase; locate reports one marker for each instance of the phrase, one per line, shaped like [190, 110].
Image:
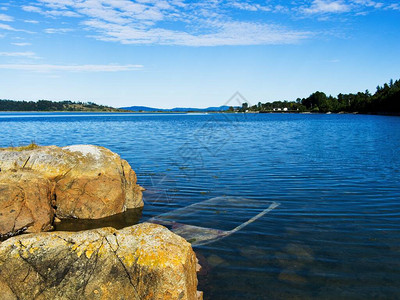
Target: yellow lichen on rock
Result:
[132, 265]
[130, 259]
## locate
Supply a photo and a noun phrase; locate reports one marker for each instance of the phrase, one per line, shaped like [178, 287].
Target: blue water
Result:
[336, 234]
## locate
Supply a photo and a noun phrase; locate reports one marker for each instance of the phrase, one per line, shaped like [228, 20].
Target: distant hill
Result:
[46, 105]
[141, 108]
[176, 109]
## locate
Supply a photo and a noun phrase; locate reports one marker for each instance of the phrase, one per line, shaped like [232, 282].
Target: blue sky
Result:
[194, 53]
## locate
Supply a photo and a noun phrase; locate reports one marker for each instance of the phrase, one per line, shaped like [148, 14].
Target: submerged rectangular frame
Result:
[199, 235]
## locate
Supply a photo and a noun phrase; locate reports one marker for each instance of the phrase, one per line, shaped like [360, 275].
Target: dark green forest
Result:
[386, 99]
[46, 105]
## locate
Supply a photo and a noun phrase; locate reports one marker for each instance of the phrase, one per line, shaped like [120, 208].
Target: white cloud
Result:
[57, 30]
[7, 27]
[62, 13]
[50, 13]
[10, 28]
[358, 7]
[369, 3]
[228, 33]
[31, 21]
[326, 6]
[170, 22]
[18, 54]
[281, 9]
[3, 8]
[31, 8]
[6, 18]
[394, 6]
[21, 44]
[194, 23]
[249, 6]
[70, 68]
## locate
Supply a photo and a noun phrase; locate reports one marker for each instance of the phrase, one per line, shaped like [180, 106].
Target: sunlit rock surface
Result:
[25, 203]
[90, 182]
[145, 261]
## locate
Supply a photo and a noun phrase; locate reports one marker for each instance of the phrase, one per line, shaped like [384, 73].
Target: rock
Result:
[295, 256]
[198, 266]
[214, 260]
[90, 182]
[144, 261]
[292, 277]
[302, 252]
[203, 267]
[25, 203]
[253, 252]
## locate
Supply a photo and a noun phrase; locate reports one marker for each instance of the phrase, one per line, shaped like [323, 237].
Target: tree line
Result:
[386, 99]
[46, 105]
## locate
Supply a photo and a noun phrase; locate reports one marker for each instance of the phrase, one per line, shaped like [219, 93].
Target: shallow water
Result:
[118, 221]
[336, 233]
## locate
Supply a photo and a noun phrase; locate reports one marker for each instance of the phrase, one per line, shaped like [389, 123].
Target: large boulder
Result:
[25, 203]
[90, 182]
[145, 261]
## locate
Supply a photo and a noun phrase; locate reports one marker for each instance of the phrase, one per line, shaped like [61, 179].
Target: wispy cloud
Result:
[7, 27]
[228, 33]
[357, 7]
[31, 21]
[21, 44]
[243, 5]
[6, 18]
[31, 8]
[10, 28]
[369, 3]
[326, 6]
[170, 22]
[51, 12]
[70, 68]
[57, 30]
[394, 6]
[19, 54]
[196, 23]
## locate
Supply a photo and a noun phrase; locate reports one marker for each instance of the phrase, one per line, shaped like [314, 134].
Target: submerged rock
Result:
[291, 277]
[145, 261]
[253, 252]
[302, 252]
[214, 260]
[87, 182]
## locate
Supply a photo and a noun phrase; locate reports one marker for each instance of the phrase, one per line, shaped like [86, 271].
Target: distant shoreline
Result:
[208, 112]
[92, 111]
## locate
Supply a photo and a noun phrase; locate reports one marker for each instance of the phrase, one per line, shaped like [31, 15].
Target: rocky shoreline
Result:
[81, 181]
[39, 184]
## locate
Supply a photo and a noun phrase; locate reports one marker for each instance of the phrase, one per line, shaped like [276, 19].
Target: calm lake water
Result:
[336, 233]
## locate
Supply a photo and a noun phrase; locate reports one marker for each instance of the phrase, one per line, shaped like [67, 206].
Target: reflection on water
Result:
[336, 233]
[118, 221]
